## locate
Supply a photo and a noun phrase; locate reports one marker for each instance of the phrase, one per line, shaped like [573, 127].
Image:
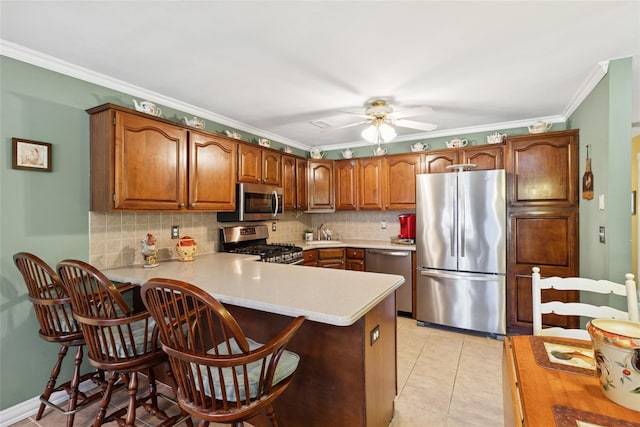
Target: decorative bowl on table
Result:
[616, 349]
[186, 248]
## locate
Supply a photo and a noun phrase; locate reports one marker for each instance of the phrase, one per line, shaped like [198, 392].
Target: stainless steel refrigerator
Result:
[461, 250]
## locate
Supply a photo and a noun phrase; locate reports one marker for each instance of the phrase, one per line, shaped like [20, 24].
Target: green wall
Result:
[47, 213]
[604, 119]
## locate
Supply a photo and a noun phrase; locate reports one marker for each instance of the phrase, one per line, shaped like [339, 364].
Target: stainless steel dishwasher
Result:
[398, 262]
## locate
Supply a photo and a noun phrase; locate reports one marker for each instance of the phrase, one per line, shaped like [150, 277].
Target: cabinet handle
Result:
[192, 205]
[181, 205]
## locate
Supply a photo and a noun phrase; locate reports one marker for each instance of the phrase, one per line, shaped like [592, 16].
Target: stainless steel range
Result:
[252, 240]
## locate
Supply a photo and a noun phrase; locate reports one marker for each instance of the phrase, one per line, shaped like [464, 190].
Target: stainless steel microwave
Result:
[255, 202]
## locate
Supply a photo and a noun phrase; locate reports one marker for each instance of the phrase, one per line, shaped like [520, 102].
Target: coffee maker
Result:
[407, 226]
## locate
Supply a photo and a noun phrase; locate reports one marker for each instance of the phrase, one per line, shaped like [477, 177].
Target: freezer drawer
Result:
[472, 301]
[394, 262]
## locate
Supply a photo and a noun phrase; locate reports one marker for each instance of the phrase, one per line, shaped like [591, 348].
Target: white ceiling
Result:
[272, 67]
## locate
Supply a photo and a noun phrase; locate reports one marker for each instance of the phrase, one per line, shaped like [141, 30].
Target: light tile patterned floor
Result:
[445, 379]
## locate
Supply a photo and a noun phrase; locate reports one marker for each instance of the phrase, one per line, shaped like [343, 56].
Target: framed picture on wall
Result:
[31, 155]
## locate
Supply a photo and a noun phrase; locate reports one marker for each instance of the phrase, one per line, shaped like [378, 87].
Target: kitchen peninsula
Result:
[347, 374]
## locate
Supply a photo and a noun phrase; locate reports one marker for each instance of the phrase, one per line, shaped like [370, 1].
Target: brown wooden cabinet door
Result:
[331, 258]
[271, 168]
[320, 187]
[546, 239]
[249, 163]
[437, 161]
[346, 184]
[310, 258]
[370, 184]
[400, 187]
[212, 172]
[289, 182]
[301, 184]
[355, 259]
[150, 164]
[543, 169]
[485, 157]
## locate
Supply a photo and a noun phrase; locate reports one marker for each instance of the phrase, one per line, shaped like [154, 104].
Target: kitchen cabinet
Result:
[542, 215]
[437, 161]
[400, 182]
[320, 185]
[137, 162]
[310, 257]
[212, 172]
[301, 184]
[257, 164]
[331, 258]
[370, 184]
[355, 259]
[346, 172]
[289, 184]
[485, 157]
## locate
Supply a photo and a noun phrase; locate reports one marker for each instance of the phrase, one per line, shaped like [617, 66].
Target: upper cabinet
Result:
[256, 164]
[138, 163]
[144, 163]
[212, 172]
[400, 183]
[346, 172]
[320, 185]
[485, 157]
[294, 182]
[370, 184]
[542, 169]
[437, 161]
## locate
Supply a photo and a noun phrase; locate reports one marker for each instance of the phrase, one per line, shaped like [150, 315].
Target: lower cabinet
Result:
[310, 258]
[331, 258]
[355, 259]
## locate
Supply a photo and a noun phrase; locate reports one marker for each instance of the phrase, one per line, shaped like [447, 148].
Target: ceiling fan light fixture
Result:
[370, 134]
[387, 132]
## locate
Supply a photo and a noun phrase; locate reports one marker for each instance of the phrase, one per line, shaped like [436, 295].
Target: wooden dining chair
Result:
[52, 307]
[222, 376]
[605, 287]
[119, 338]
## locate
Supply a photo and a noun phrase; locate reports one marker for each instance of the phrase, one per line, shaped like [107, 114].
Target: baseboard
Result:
[30, 407]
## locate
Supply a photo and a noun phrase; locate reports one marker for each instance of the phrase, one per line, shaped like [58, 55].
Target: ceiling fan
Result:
[381, 118]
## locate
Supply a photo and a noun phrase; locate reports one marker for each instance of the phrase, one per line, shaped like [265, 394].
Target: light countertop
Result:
[325, 295]
[346, 243]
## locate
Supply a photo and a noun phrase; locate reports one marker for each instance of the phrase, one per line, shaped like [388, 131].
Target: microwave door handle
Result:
[275, 197]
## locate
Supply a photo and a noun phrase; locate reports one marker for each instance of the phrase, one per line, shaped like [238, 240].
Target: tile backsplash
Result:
[115, 238]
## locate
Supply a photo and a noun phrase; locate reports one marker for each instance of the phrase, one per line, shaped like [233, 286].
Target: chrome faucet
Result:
[320, 231]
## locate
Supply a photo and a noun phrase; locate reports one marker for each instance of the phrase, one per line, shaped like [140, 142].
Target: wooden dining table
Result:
[550, 381]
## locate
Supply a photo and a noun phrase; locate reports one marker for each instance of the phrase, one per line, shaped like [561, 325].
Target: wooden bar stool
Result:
[120, 339]
[222, 376]
[52, 306]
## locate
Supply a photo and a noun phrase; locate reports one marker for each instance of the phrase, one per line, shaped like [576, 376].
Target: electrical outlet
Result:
[383, 224]
[601, 234]
[273, 226]
[175, 231]
[375, 334]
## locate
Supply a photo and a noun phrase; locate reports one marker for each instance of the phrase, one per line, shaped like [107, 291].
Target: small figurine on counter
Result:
[149, 251]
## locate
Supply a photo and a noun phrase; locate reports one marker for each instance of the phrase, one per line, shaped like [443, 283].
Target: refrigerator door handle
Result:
[442, 275]
[461, 217]
[452, 237]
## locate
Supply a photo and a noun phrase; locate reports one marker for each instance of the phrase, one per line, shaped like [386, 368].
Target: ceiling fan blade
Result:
[416, 111]
[415, 125]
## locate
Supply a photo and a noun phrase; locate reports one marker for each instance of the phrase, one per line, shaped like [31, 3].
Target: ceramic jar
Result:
[186, 248]
[616, 349]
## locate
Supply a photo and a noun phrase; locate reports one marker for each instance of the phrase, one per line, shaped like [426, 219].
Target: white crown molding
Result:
[30, 56]
[594, 77]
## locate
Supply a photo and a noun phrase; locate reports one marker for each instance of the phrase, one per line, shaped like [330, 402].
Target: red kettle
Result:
[407, 226]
